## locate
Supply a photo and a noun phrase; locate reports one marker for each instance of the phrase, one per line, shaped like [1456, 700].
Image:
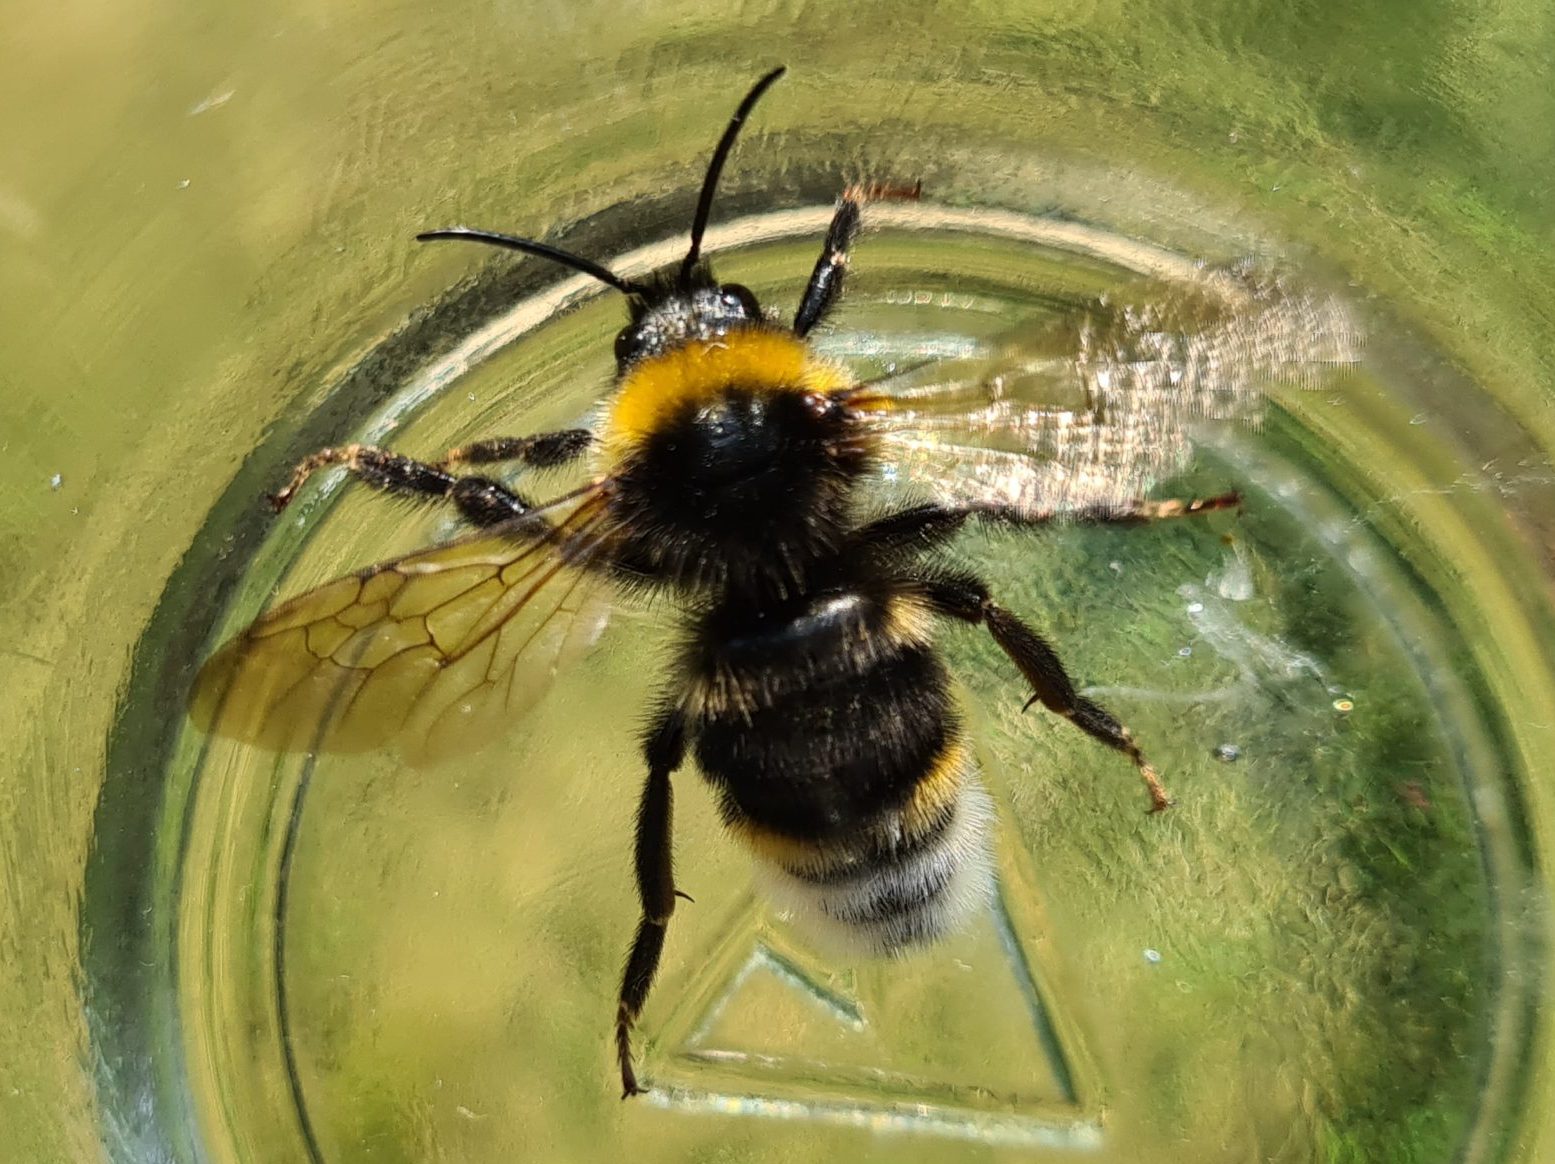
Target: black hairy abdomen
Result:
[811, 738]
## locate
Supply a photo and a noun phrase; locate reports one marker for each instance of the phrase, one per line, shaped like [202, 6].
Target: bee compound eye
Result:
[819, 404]
[741, 296]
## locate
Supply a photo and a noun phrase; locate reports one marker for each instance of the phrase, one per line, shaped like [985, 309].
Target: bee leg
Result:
[664, 749]
[825, 286]
[926, 527]
[541, 451]
[479, 500]
[966, 597]
[1141, 512]
[1133, 513]
[911, 531]
[483, 502]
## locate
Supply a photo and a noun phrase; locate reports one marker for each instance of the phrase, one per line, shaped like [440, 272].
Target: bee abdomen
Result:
[908, 878]
[833, 742]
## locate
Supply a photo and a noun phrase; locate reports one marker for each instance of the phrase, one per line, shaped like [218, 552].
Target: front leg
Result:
[966, 597]
[825, 286]
[664, 749]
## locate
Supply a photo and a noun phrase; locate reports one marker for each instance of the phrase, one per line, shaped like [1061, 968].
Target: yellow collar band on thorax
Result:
[697, 371]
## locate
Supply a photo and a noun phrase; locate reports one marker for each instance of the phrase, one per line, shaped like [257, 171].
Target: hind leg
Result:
[966, 597]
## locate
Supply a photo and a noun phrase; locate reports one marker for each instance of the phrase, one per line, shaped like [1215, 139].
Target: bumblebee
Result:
[728, 469]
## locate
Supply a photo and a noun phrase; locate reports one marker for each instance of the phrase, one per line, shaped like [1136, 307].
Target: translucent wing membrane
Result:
[437, 651]
[1092, 410]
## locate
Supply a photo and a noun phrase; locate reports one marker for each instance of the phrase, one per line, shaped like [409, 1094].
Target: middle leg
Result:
[542, 451]
[480, 500]
[926, 527]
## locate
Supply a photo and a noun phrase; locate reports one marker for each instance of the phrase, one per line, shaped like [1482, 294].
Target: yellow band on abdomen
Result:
[933, 797]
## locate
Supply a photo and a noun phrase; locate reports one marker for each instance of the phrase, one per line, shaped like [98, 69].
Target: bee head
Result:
[686, 302]
[673, 309]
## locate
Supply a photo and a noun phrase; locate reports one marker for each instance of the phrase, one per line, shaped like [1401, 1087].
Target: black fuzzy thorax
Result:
[748, 496]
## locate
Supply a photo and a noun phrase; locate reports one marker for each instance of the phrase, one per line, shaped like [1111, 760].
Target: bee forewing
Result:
[437, 652]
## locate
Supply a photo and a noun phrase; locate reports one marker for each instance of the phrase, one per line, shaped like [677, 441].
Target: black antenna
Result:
[715, 167]
[530, 247]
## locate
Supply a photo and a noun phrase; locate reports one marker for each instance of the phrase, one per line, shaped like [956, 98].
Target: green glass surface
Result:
[1333, 948]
